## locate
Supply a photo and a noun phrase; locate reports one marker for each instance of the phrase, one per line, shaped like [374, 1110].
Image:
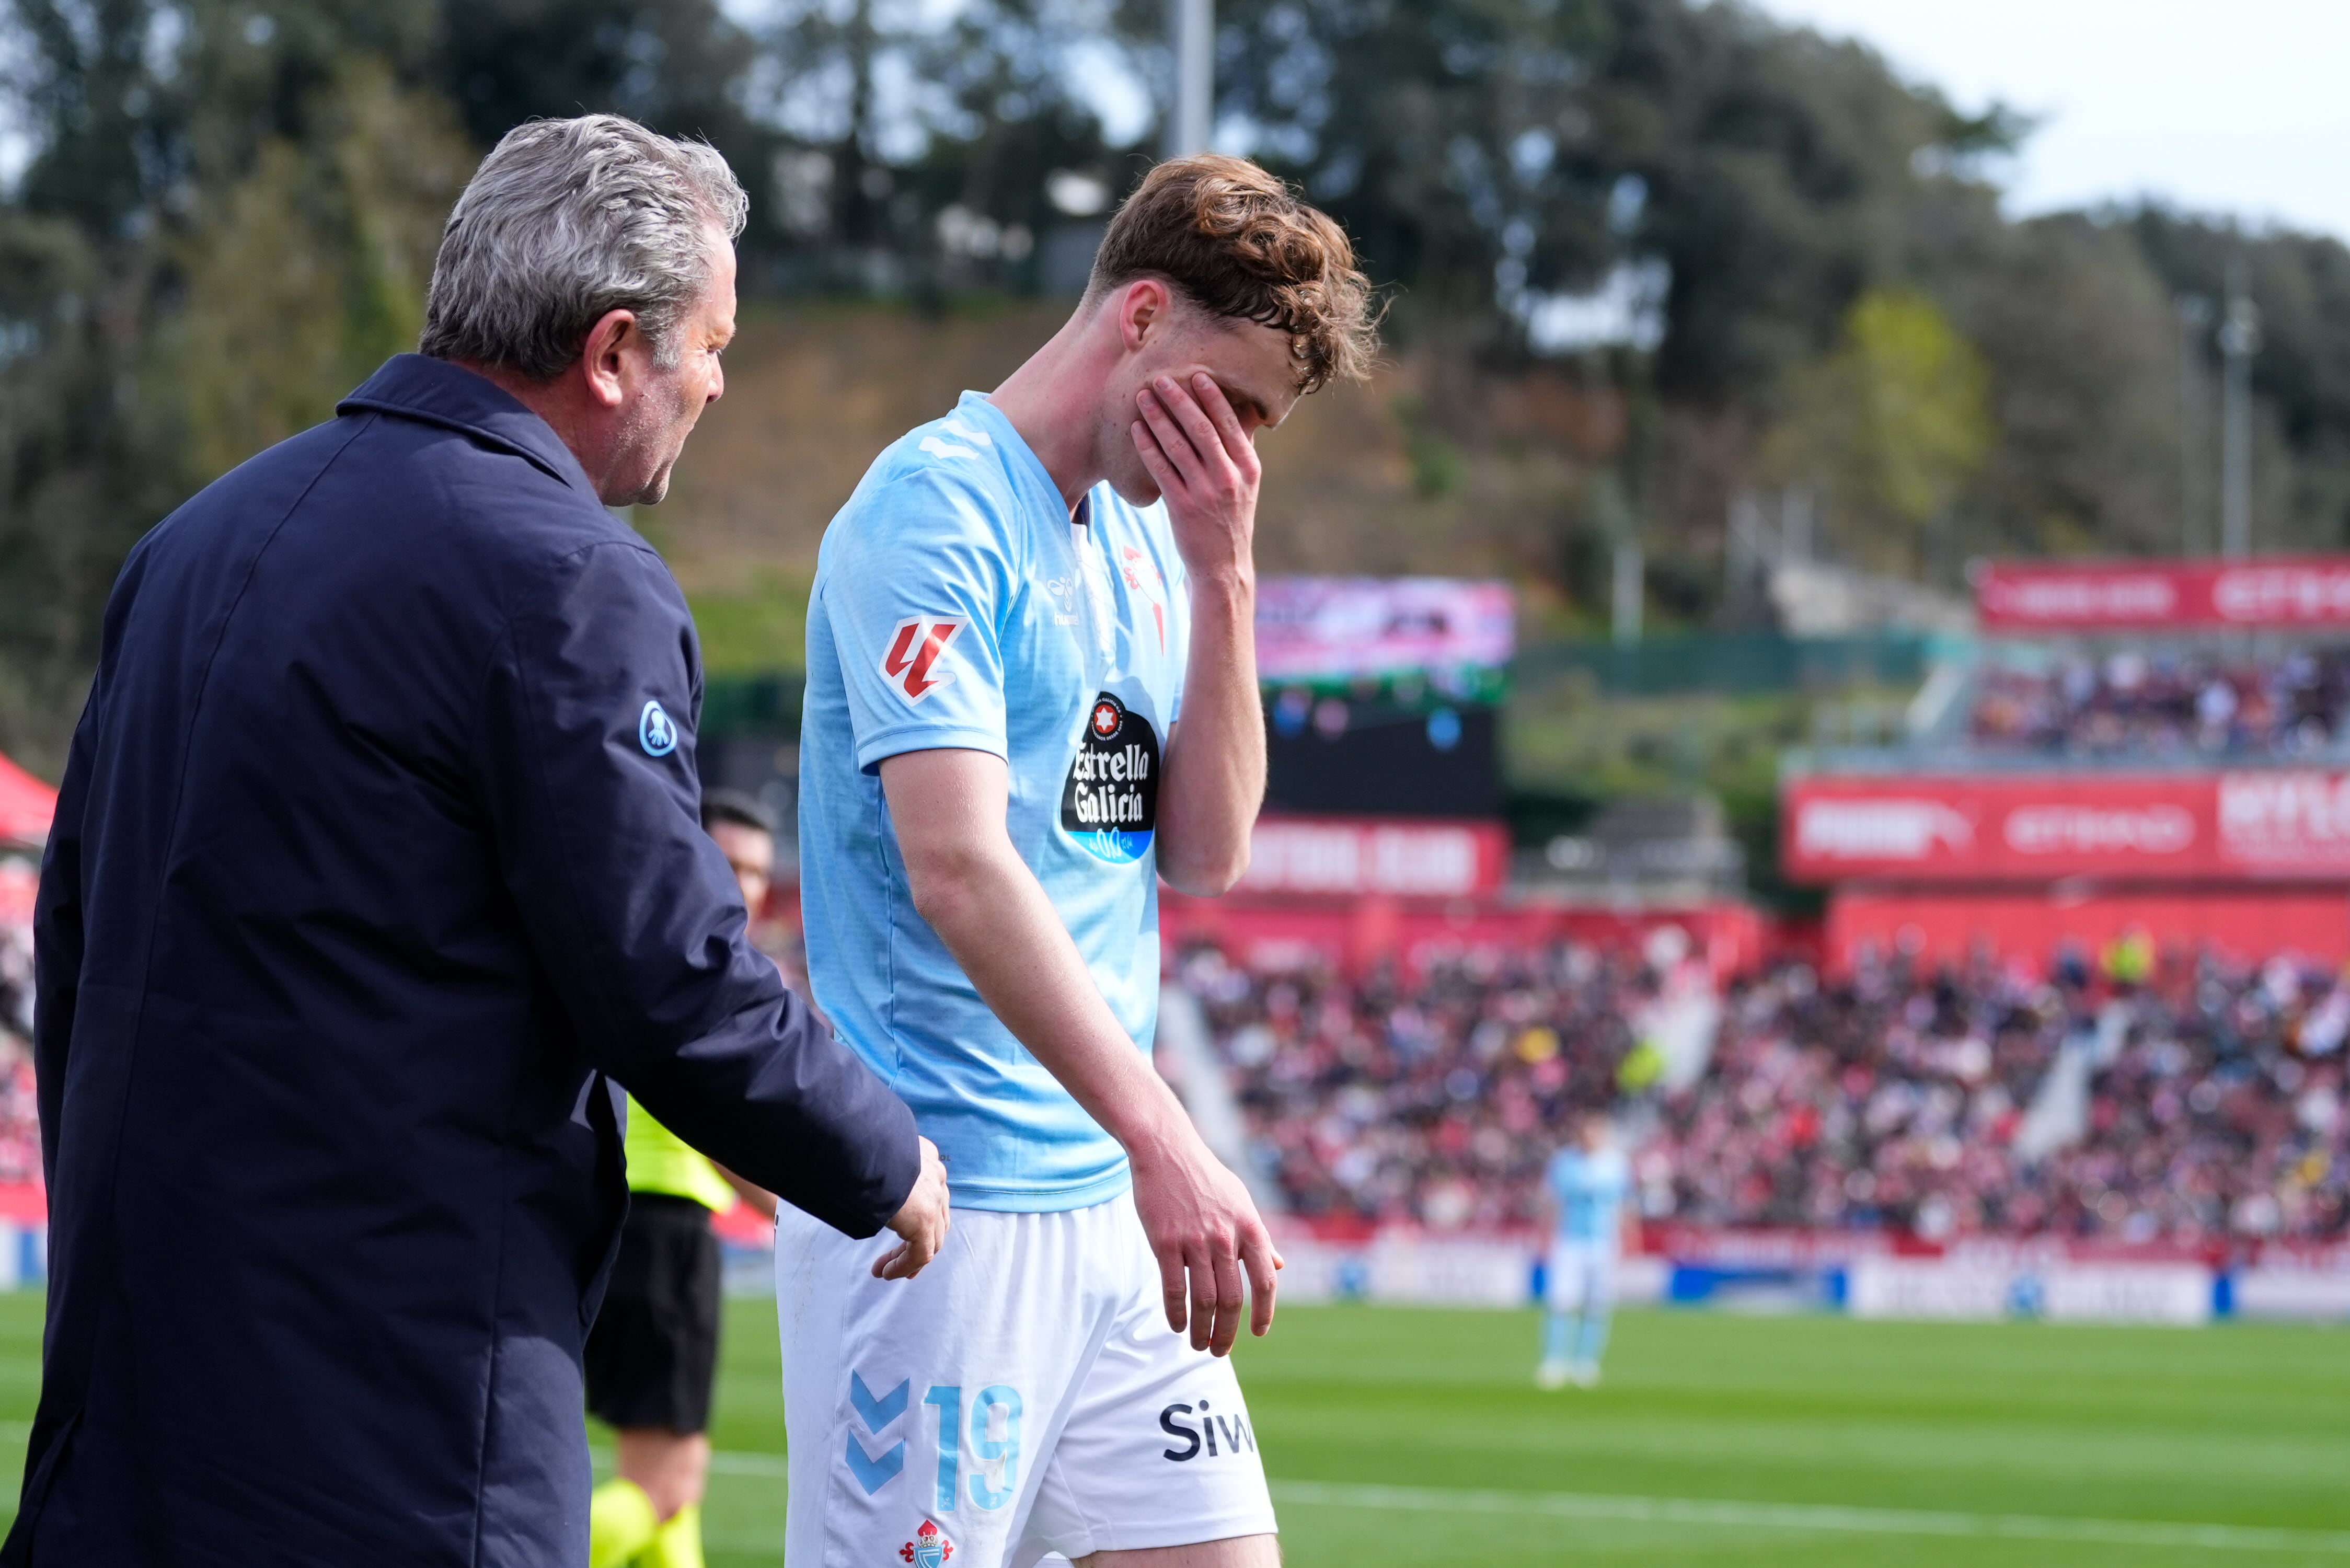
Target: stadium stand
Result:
[1889, 1098]
[2166, 701]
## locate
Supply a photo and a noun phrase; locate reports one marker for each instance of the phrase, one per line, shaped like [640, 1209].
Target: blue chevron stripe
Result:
[873, 1474]
[878, 1413]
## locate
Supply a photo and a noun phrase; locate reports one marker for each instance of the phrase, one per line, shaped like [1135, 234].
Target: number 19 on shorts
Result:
[994, 1479]
[990, 1420]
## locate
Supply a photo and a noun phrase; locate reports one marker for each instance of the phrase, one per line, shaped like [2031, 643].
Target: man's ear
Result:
[600, 358]
[1143, 309]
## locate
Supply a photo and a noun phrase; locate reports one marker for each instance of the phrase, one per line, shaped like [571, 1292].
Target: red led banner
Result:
[1351, 856]
[2264, 825]
[2276, 591]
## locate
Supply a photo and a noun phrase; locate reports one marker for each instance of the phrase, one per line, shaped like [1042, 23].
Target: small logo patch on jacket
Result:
[655, 732]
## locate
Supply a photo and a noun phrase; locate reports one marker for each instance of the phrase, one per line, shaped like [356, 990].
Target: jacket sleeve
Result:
[586, 748]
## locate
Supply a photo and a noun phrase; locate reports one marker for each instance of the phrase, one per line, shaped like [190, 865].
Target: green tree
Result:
[308, 272]
[1891, 425]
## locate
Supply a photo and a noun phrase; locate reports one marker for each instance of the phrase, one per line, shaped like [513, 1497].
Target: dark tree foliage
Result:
[150, 120]
[2301, 285]
[1479, 148]
[1012, 120]
[1455, 140]
[948, 187]
[678, 65]
[1776, 167]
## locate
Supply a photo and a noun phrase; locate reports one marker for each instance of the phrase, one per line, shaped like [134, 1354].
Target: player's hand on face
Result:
[921, 1223]
[1205, 466]
[1205, 1231]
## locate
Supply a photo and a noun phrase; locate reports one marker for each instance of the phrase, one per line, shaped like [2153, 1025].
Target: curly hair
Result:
[1244, 245]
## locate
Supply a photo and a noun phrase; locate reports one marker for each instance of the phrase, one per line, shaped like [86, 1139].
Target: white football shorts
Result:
[1580, 1276]
[1022, 1397]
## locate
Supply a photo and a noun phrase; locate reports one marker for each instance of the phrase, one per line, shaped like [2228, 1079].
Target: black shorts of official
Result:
[654, 1352]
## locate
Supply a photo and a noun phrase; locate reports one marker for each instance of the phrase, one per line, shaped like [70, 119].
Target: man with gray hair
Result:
[376, 873]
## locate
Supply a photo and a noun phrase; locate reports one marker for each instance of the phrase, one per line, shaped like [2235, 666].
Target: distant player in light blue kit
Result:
[1589, 1183]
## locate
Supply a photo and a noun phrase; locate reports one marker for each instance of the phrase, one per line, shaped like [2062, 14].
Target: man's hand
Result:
[1203, 1224]
[1206, 467]
[921, 1223]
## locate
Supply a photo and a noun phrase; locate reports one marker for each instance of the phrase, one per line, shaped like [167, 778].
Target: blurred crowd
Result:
[1898, 1096]
[20, 1126]
[1438, 1101]
[2167, 703]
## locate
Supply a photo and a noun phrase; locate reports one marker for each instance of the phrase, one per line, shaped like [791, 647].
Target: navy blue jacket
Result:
[376, 851]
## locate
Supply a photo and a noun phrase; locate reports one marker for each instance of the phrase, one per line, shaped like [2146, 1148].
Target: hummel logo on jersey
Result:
[911, 663]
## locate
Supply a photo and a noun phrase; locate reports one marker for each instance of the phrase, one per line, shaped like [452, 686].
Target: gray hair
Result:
[565, 221]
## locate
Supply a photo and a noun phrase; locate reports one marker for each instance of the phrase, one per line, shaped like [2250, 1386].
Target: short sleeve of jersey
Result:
[916, 585]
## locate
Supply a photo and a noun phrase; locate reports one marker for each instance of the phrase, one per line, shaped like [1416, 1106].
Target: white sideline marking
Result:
[1814, 1516]
[1748, 1515]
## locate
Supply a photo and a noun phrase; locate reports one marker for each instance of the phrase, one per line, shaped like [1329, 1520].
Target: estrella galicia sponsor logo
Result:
[1176, 1422]
[1110, 804]
[655, 732]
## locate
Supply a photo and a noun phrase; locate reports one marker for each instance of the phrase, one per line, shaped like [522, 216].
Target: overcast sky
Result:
[2222, 105]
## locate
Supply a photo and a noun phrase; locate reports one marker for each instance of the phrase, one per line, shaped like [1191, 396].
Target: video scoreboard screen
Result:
[1382, 695]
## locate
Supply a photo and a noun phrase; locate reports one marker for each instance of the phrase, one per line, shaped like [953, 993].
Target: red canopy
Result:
[27, 805]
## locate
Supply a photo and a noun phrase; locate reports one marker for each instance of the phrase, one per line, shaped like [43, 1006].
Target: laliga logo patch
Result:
[912, 662]
[655, 732]
[1110, 803]
[929, 1549]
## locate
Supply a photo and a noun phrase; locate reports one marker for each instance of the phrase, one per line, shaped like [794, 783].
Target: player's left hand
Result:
[1206, 469]
[1205, 1231]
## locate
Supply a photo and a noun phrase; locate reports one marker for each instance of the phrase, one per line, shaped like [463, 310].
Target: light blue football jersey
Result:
[1590, 1189]
[958, 604]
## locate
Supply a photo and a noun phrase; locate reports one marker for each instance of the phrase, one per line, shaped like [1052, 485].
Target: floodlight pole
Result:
[1192, 33]
[2239, 339]
[2194, 313]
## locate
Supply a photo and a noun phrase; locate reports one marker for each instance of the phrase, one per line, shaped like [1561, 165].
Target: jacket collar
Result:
[412, 386]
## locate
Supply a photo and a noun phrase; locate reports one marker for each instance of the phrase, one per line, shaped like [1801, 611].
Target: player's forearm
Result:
[759, 1200]
[993, 916]
[1215, 758]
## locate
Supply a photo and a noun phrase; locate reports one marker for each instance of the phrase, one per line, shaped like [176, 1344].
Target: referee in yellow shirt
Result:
[653, 1354]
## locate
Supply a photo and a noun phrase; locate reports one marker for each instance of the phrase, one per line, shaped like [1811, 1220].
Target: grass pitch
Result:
[1402, 1439]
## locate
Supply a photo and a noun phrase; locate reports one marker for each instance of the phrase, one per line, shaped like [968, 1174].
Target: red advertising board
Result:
[2290, 823]
[1354, 856]
[2274, 591]
[1283, 932]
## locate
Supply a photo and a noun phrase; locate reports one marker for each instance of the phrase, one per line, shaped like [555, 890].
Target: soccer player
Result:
[653, 1354]
[1589, 1183]
[1032, 693]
